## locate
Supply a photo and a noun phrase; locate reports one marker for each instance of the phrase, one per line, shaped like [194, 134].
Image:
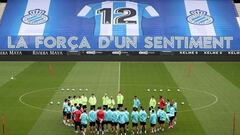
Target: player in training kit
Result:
[167, 106]
[163, 118]
[175, 115]
[71, 100]
[114, 120]
[84, 121]
[120, 99]
[77, 113]
[118, 112]
[122, 120]
[65, 104]
[171, 115]
[73, 108]
[135, 119]
[92, 120]
[68, 110]
[127, 118]
[84, 101]
[104, 121]
[100, 120]
[152, 103]
[161, 102]
[136, 102]
[158, 118]
[79, 100]
[153, 121]
[143, 120]
[111, 102]
[108, 119]
[92, 101]
[105, 100]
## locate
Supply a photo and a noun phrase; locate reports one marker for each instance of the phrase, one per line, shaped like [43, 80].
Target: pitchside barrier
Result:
[123, 57]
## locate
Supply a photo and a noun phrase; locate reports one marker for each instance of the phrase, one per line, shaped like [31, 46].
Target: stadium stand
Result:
[238, 7]
[3, 4]
[2, 7]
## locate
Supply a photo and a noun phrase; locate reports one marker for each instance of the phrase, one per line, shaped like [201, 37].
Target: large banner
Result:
[133, 25]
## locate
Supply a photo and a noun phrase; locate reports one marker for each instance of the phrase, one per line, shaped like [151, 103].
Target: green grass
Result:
[38, 88]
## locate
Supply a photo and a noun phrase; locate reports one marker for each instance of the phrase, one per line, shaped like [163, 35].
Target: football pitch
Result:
[210, 92]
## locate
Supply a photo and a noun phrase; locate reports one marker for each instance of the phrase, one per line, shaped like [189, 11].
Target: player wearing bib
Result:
[122, 120]
[111, 102]
[84, 101]
[92, 101]
[105, 100]
[152, 103]
[71, 100]
[110, 20]
[120, 99]
[84, 121]
[92, 120]
[135, 119]
[143, 120]
[153, 121]
[79, 101]
[114, 120]
[136, 102]
[65, 103]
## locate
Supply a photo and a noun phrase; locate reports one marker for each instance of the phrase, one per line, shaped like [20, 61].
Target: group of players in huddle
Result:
[107, 118]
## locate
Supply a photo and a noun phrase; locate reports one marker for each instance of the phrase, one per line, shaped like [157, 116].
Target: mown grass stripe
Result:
[217, 119]
[156, 75]
[97, 77]
[19, 118]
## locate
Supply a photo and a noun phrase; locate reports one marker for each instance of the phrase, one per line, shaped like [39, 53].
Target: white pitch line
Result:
[119, 75]
[185, 89]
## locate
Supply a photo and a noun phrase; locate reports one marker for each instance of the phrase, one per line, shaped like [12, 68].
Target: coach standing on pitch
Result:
[120, 99]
